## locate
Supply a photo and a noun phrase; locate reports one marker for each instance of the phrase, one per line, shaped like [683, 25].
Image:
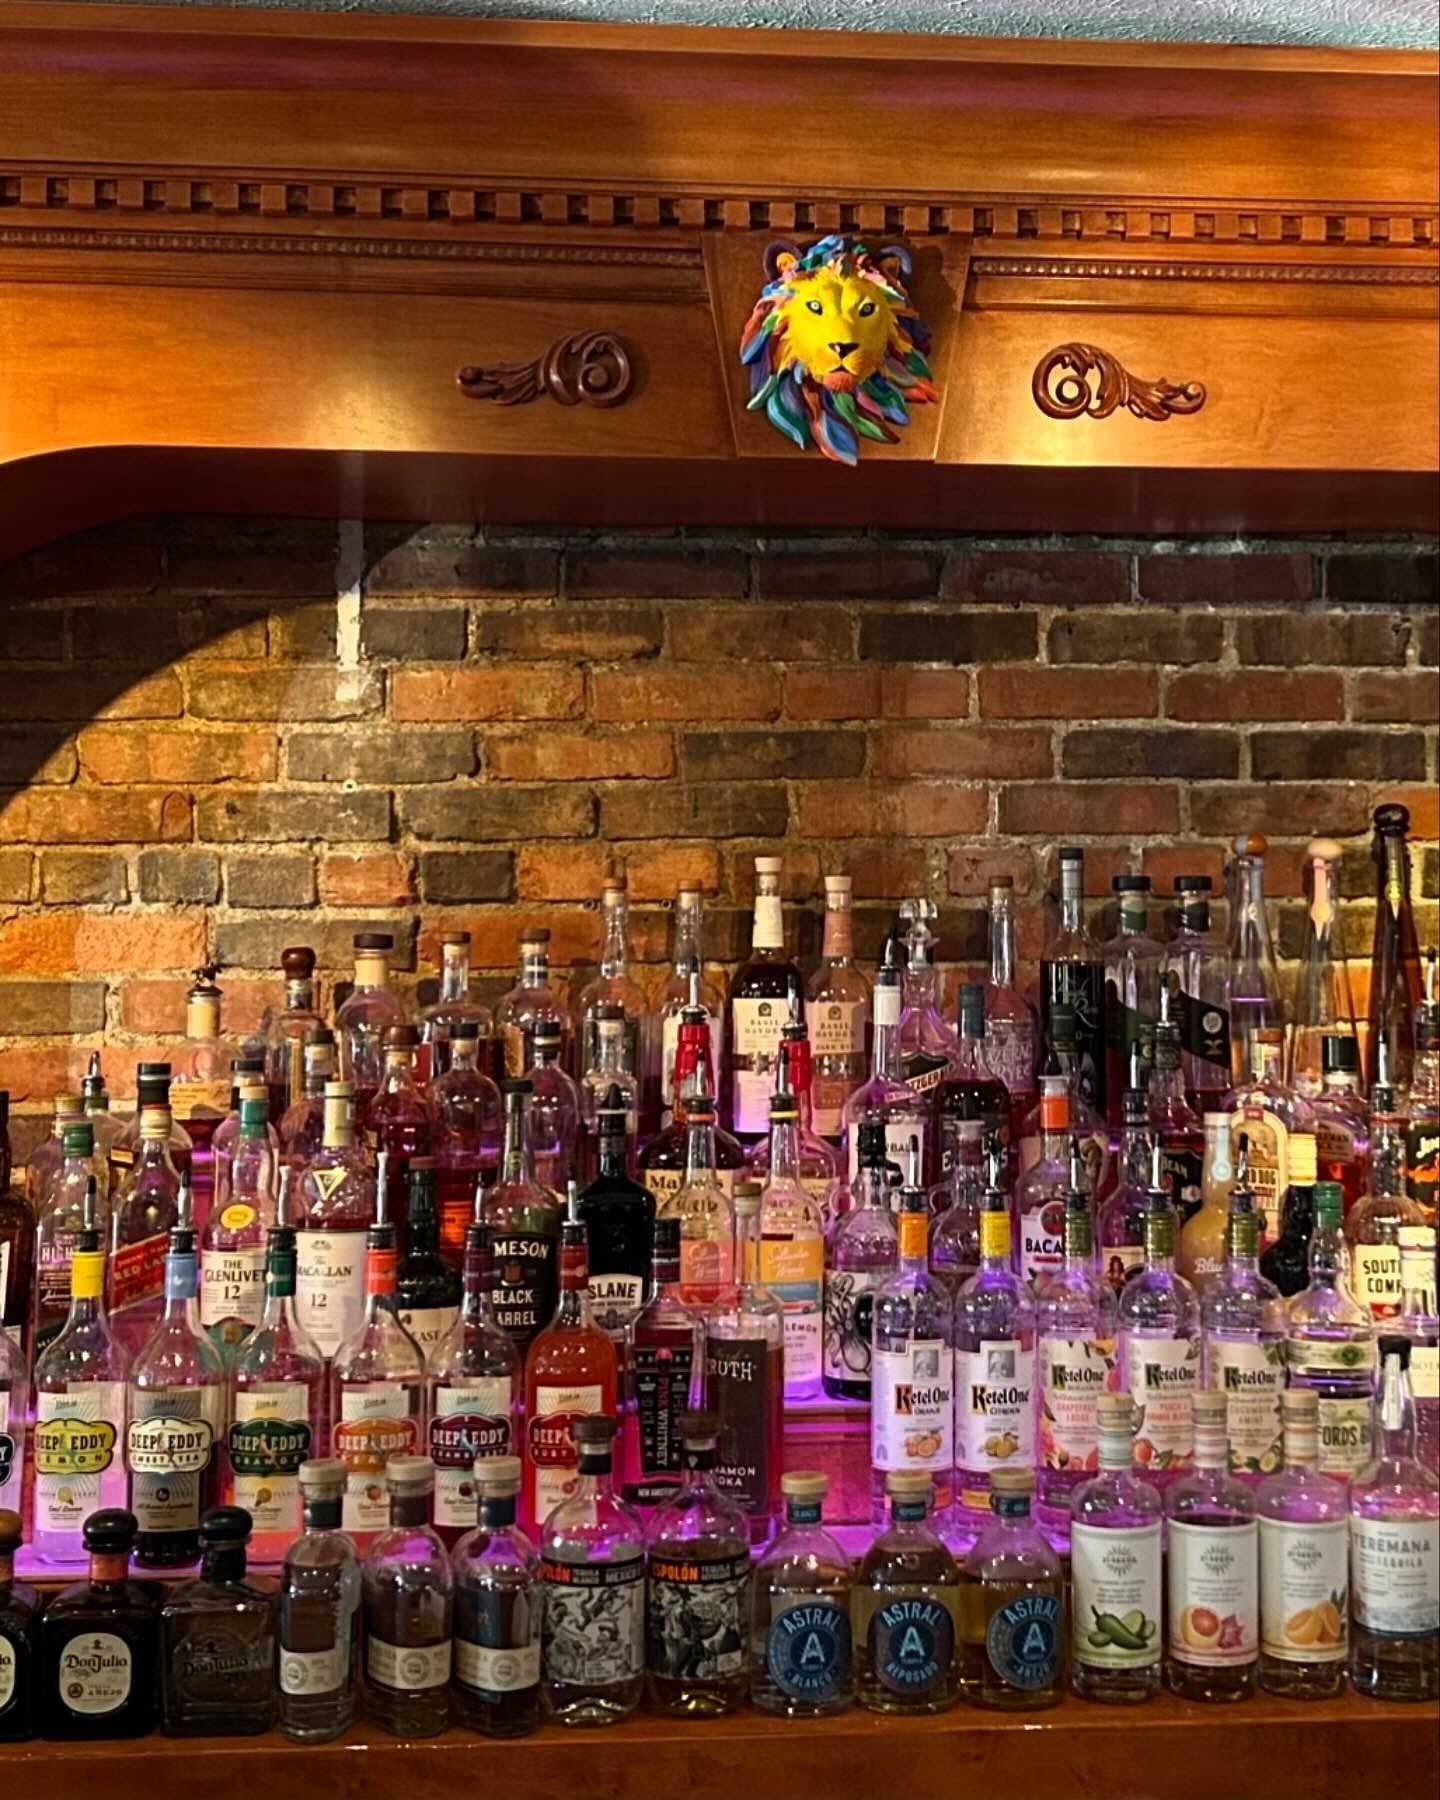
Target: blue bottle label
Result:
[808, 1652]
[1023, 1641]
[913, 1643]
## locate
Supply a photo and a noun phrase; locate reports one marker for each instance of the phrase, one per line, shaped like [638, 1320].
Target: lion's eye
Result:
[867, 309]
[815, 306]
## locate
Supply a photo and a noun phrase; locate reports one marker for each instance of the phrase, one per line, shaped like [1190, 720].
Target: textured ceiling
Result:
[1394, 24]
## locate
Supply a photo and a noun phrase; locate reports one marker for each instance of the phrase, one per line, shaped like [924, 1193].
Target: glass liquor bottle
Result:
[529, 1002]
[605, 1075]
[1072, 973]
[1395, 1550]
[49, 1154]
[664, 1361]
[407, 1590]
[377, 1389]
[61, 1216]
[152, 1088]
[1177, 1127]
[1012, 1607]
[554, 1113]
[926, 1041]
[1323, 1006]
[861, 1256]
[277, 1410]
[703, 1202]
[1342, 1120]
[318, 1615]
[571, 1372]
[1266, 1113]
[440, 1023]
[466, 1107]
[1134, 976]
[662, 1162]
[1040, 1193]
[1304, 1615]
[1117, 1598]
[14, 1406]
[289, 1031]
[898, 1103]
[302, 1128]
[495, 1684]
[1243, 1330]
[334, 1204]
[994, 1368]
[200, 1090]
[619, 1219]
[398, 1118]
[1160, 1350]
[17, 1241]
[1063, 1060]
[143, 1212]
[817, 1163]
[1202, 1242]
[524, 1220]
[1422, 1117]
[95, 1098]
[1075, 1330]
[1011, 1038]
[745, 1375]
[698, 1575]
[247, 1082]
[914, 1366]
[593, 1567]
[1419, 1322]
[363, 1019]
[801, 1665]
[905, 1609]
[19, 1618]
[1121, 1221]
[1197, 977]
[100, 1643]
[955, 1206]
[837, 1014]
[971, 1088]
[792, 1253]
[79, 1436]
[1256, 1003]
[427, 1287]
[766, 991]
[232, 1245]
[1373, 1224]
[1285, 1260]
[1330, 1345]
[217, 1640]
[473, 1390]
[1212, 1636]
[615, 988]
[688, 986]
[176, 1407]
[1395, 986]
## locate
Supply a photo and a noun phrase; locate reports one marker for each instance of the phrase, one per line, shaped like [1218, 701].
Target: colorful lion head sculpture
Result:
[836, 350]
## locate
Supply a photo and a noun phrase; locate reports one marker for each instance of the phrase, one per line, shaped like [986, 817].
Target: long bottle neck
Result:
[455, 973]
[886, 1017]
[1395, 1413]
[517, 1159]
[1002, 939]
[785, 1148]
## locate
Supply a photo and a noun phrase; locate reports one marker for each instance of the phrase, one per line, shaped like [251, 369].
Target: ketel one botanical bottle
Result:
[318, 1630]
[499, 1602]
[1243, 1326]
[665, 1377]
[1115, 1639]
[427, 1287]
[100, 1643]
[408, 1591]
[905, 1609]
[524, 1220]
[1304, 1615]
[860, 1258]
[217, 1640]
[800, 1657]
[336, 1204]
[1012, 1606]
[994, 1365]
[232, 1245]
[1160, 1350]
[912, 1405]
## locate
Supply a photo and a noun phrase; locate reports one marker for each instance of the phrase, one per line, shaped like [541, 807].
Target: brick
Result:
[34, 633]
[970, 872]
[494, 935]
[562, 871]
[85, 877]
[1407, 578]
[865, 573]
[105, 561]
[157, 1007]
[776, 755]
[681, 573]
[1104, 809]
[382, 878]
[1318, 638]
[1399, 699]
[36, 1071]
[1424, 804]
[304, 633]
[748, 693]
[675, 811]
[590, 633]
[28, 757]
[1240, 698]
[1427, 640]
[265, 881]
[1144, 637]
[15, 875]
[1282, 809]
[450, 876]
[112, 754]
[1337, 756]
[27, 1132]
[953, 637]
[291, 817]
[832, 693]
[1040, 577]
[64, 943]
[843, 809]
[974, 752]
[924, 693]
[317, 696]
[881, 871]
[1430, 874]
[115, 633]
[659, 871]
[271, 557]
[477, 814]
[259, 943]
[110, 693]
[454, 564]
[373, 756]
[93, 816]
[1227, 578]
[749, 634]
[1190, 755]
[1163, 863]
[514, 691]
[963, 932]
[412, 633]
[581, 756]
[52, 1008]
[180, 877]
[218, 633]
[1033, 692]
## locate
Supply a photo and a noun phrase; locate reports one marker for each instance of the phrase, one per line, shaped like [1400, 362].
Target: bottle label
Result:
[756, 1026]
[793, 1268]
[168, 1449]
[901, 1130]
[837, 1027]
[849, 1309]
[911, 1408]
[8, 1666]
[1333, 1143]
[665, 1183]
[1023, 1643]
[52, 1290]
[376, 1422]
[1422, 1163]
[407, 1668]
[553, 1454]
[1304, 1600]
[706, 1264]
[1205, 1031]
[1074, 1372]
[697, 1616]
[304, 1672]
[1118, 1600]
[526, 1283]
[912, 1644]
[329, 1286]
[670, 1043]
[196, 1099]
[269, 1439]
[738, 1377]
[1393, 1567]
[1119, 1262]
[1181, 1175]
[468, 1422]
[94, 1673]
[1317, 1356]
[1082, 987]
[615, 1298]
[1214, 1594]
[1269, 1150]
[1252, 1379]
[1162, 1374]
[78, 1465]
[12, 1461]
[808, 1649]
[1375, 1278]
[210, 1663]
[1425, 1371]
[136, 1273]
[232, 1286]
[660, 1377]
[923, 1071]
[1042, 1242]
[594, 1630]
[429, 1325]
[491, 1673]
[994, 1418]
[1344, 1436]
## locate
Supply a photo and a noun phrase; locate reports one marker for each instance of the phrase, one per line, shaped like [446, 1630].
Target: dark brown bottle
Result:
[100, 1643]
[1395, 985]
[765, 993]
[19, 1616]
[17, 1239]
[498, 1602]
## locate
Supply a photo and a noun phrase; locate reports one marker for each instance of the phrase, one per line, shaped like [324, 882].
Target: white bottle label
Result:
[12, 1454]
[316, 1671]
[329, 1286]
[1252, 1379]
[1074, 1372]
[1117, 1596]
[1425, 1371]
[1375, 1278]
[553, 1454]
[994, 1415]
[232, 1286]
[1042, 1242]
[756, 1027]
[168, 1446]
[901, 1130]
[1304, 1606]
[407, 1668]
[94, 1673]
[1344, 1436]
[1162, 1374]
[467, 1422]
[912, 1408]
[270, 1437]
[428, 1325]
[497, 1671]
[7, 1672]
[376, 1422]
[79, 1454]
[1214, 1614]
[1395, 1575]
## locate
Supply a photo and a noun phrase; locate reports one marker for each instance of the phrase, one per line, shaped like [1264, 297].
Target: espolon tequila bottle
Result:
[318, 1625]
[499, 1601]
[1012, 1607]
[800, 1657]
[905, 1609]
[1304, 1609]
[1117, 1605]
[1213, 1580]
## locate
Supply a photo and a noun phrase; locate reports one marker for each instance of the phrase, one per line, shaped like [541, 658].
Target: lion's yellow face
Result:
[837, 326]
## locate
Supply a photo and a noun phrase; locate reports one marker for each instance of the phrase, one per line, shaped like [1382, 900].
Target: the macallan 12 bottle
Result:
[335, 1205]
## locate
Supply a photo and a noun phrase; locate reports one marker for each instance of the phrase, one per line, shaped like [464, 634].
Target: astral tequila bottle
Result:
[1012, 1606]
[318, 1620]
[499, 1603]
[1304, 1614]
[217, 1640]
[1213, 1601]
[800, 1649]
[1118, 1603]
[905, 1609]
[914, 1369]
[408, 1591]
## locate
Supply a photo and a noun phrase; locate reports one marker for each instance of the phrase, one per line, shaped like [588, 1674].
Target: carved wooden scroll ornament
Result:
[1062, 389]
[593, 366]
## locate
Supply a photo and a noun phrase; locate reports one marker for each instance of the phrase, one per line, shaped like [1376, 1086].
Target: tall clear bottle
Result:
[914, 1367]
[744, 1375]
[896, 1101]
[837, 1012]
[1323, 1005]
[818, 1165]
[142, 1214]
[1177, 1127]
[1422, 1114]
[361, 1022]
[289, 1030]
[1266, 1114]
[1072, 973]
[333, 1207]
[1256, 1002]
[1342, 1120]
[407, 1590]
[615, 988]
[499, 1602]
[792, 1252]
[233, 1243]
[1197, 976]
[554, 1111]
[701, 1204]
[1243, 1324]
[1117, 1609]
[801, 1665]
[1395, 984]
[1134, 968]
[764, 992]
[1304, 1615]
[1420, 1322]
[318, 1627]
[468, 1128]
[860, 1257]
[688, 986]
[1330, 1346]
[531, 1001]
[1011, 1038]
[1160, 1350]
[302, 1126]
[440, 1022]
[927, 1042]
[1120, 1224]
[1212, 1636]
[398, 1119]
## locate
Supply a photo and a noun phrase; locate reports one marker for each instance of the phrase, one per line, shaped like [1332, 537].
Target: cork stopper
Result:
[908, 1484]
[1300, 1406]
[838, 884]
[410, 1474]
[1013, 1481]
[805, 1484]
[298, 962]
[499, 1475]
[322, 1475]
[1115, 1413]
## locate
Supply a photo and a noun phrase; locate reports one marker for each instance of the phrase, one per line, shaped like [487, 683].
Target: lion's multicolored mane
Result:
[805, 408]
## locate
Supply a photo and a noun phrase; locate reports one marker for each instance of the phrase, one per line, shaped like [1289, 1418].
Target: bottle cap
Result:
[1394, 1345]
[1339, 1052]
[110, 1532]
[11, 1527]
[464, 1029]
[745, 1196]
[768, 865]
[1329, 1203]
[804, 1484]
[517, 1086]
[1210, 1410]
[1071, 853]
[454, 937]
[298, 962]
[402, 1037]
[410, 1474]
[1392, 818]
[699, 1429]
[226, 1525]
[78, 1140]
[1115, 1413]
[594, 1428]
[339, 1090]
[970, 1009]
[1130, 884]
[322, 1475]
[535, 934]
[498, 1475]
[1012, 1481]
[373, 940]
[546, 1030]
[838, 884]
[1193, 884]
[1002, 882]
[908, 1484]
[1302, 1159]
[70, 1106]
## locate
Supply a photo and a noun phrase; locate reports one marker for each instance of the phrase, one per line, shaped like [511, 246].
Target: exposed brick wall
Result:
[205, 751]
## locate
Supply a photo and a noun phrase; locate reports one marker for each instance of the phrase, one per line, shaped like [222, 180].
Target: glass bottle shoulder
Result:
[866, 1236]
[381, 1350]
[992, 1304]
[1075, 1303]
[472, 1349]
[788, 1207]
[485, 1558]
[1158, 1300]
[591, 1527]
[908, 1551]
[330, 1550]
[1243, 1300]
[1209, 1495]
[803, 1556]
[407, 1556]
[177, 1354]
[1119, 1497]
[698, 1512]
[1301, 1496]
[85, 1350]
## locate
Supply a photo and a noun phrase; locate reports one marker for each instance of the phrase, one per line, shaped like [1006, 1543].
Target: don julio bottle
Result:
[217, 1640]
[100, 1643]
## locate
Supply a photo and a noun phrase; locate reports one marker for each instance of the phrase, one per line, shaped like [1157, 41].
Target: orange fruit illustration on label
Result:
[1304, 1626]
